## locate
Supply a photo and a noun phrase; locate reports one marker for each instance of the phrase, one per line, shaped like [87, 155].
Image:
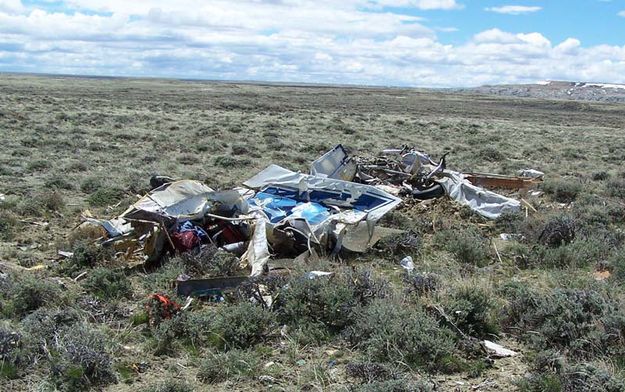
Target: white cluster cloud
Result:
[323, 41]
[514, 9]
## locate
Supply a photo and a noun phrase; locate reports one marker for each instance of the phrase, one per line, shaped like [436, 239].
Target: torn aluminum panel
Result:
[186, 198]
[486, 203]
[335, 164]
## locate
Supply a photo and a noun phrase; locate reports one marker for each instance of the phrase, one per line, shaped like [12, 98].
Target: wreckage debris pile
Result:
[333, 209]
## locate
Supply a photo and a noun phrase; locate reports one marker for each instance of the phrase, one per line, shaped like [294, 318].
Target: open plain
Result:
[76, 146]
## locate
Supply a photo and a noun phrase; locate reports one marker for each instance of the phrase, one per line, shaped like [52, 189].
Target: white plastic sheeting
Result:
[486, 203]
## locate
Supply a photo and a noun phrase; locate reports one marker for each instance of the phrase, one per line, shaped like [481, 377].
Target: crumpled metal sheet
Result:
[181, 199]
[184, 200]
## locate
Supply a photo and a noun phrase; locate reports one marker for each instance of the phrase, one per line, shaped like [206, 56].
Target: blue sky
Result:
[593, 22]
[429, 43]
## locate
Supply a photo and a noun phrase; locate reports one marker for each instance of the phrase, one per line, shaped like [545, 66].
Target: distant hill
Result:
[600, 92]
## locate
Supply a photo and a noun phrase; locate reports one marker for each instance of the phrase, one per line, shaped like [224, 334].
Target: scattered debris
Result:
[316, 274]
[410, 172]
[601, 275]
[65, 254]
[407, 264]
[35, 223]
[510, 237]
[265, 379]
[495, 350]
[531, 173]
[209, 287]
[504, 182]
[160, 307]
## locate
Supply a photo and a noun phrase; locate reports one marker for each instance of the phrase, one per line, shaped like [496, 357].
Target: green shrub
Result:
[468, 246]
[310, 334]
[160, 280]
[234, 365]
[38, 165]
[189, 330]
[322, 300]
[328, 301]
[578, 254]
[407, 243]
[600, 176]
[105, 283]
[7, 225]
[77, 167]
[473, 310]
[58, 182]
[584, 322]
[240, 149]
[242, 325]
[617, 264]
[85, 254]
[44, 325]
[616, 188]
[105, 196]
[168, 334]
[82, 361]
[509, 222]
[560, 230]
[420, 284]
[551, 372]
[227, 161]
[588, 377]
[11, 357]
[41, 203]
[30, 293]
[591, 217]
[364, 285]
[368, 372]
[395, 386]
[390, 331]
[562, 190]
[209, 260]
[170, 386]
[91, 184]
[52, 201]
[491, 154]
